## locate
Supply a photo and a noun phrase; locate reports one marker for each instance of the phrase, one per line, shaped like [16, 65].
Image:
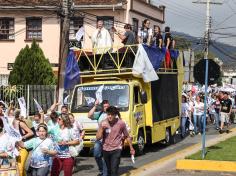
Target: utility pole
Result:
[190, 65]
[206, 51]
[64, 46]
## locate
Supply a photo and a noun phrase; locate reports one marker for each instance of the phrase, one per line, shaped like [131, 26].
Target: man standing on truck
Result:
[101, 39]
[97, 151]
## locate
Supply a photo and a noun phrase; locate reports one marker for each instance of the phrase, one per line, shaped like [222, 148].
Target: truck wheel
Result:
[173, 138]
[167, 136]
[139, 147]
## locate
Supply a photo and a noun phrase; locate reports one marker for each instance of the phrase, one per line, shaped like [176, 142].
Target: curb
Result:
[207, 165]
[157, 165]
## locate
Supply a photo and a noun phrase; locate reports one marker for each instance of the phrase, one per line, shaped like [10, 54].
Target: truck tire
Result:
[139, 147]
[173, 138]
[167, 136]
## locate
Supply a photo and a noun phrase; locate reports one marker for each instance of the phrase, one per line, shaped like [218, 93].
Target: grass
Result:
[224, 151]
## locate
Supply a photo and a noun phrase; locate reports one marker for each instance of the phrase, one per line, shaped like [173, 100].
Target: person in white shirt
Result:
[185, 109]
[198, 111]
[145, 33]
[101, 39]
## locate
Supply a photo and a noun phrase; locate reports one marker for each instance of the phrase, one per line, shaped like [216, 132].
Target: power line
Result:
[181, 8]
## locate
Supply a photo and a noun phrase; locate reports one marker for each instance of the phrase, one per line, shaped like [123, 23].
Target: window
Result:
[75, 24]
[108, 23]
[136, 95]
[33, 28]
[7, 29]
[135, 26]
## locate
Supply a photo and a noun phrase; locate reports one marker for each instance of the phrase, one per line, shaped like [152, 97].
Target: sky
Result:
[190, 18]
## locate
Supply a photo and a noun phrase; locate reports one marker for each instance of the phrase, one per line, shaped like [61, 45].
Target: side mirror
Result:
[143, 97]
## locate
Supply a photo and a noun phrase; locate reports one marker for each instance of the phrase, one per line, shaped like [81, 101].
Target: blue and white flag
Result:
[147, 61]
[72, 72]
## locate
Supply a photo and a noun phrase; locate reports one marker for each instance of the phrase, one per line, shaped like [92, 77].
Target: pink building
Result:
[21, 21]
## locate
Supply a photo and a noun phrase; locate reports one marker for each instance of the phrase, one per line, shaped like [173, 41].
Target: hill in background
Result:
[224, 52]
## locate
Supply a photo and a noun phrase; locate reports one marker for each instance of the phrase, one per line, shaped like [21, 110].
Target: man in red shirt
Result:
[113, 131]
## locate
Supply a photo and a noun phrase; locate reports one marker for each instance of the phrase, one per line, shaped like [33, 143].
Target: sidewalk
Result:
[167, 165]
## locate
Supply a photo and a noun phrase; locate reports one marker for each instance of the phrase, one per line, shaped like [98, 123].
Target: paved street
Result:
[87, 166]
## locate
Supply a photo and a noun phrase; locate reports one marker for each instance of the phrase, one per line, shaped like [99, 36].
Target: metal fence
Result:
[44, 94]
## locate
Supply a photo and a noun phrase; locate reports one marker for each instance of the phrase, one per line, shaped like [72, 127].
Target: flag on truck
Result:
[147, 61]
[72, 72]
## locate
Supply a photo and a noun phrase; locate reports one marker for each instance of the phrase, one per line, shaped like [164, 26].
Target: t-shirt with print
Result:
[198, 108]
[53, 130]
[65, 135]
[113, 135]
[7, 145]
[38, 158]
[144, 34]
[226, 105]
[99, 116]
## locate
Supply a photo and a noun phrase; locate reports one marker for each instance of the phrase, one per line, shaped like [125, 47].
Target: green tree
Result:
[31, 67]
[200, 55]
[182, 43]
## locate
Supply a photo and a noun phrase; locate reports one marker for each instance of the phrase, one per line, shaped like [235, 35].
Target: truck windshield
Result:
[85, 96]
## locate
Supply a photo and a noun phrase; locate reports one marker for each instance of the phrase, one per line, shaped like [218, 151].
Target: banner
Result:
[99, 94]
[22, 106]
[80, 34]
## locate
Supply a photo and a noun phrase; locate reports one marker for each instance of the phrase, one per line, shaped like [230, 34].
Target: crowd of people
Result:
[102, 40]
[220, 111]
[54, 140]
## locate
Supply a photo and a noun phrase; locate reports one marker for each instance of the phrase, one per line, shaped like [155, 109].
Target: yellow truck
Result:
[151, 110]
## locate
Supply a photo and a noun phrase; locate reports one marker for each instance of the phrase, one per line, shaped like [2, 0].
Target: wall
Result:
[49, 43]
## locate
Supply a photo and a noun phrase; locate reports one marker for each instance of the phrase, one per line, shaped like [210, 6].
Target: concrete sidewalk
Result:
[168, 163]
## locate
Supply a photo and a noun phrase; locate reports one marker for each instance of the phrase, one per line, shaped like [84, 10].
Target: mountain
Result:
[224, 52]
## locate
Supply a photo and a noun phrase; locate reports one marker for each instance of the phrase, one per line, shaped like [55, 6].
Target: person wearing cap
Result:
[43, 150]
[97, 150]
[225, 110]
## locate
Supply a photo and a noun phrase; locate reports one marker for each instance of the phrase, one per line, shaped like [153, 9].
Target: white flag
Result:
[22, 106]
[80, 34]
[11, 131]
[99, 94]
[38, 106]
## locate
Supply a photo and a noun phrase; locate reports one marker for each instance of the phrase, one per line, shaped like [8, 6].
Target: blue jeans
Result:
[198, 123]
[217, 119]
[183, 125]
[97, 153]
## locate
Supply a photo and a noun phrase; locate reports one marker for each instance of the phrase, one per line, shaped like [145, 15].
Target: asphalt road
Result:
[86, 165]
